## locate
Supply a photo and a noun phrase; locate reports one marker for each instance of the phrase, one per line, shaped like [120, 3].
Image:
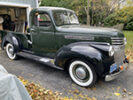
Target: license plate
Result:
[113, 68]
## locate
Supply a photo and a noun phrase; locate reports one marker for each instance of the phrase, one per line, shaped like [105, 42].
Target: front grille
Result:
[118, 44]
[119, 54]
[118, 41]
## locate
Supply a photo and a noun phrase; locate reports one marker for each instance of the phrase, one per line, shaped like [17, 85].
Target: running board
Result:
[42, 60]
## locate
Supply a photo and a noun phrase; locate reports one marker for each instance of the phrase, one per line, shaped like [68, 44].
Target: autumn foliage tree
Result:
[91, 12]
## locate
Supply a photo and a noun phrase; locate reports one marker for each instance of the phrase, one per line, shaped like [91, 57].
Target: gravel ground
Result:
[60, 81]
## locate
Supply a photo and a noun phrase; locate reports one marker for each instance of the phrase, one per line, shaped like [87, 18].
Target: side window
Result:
[42, 19]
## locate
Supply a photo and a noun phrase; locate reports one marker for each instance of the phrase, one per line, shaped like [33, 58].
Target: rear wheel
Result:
[10, 51]
[82, 73]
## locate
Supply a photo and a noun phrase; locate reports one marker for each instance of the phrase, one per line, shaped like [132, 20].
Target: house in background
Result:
[31, 3]
[16, 12]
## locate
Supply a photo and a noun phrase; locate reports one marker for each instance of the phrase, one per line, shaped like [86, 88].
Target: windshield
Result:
[65, 18]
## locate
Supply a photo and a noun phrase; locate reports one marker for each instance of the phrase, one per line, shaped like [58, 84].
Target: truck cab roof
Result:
[52, 8]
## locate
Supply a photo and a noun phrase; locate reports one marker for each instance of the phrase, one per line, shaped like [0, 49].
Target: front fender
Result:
[10, 38]
[82, 51]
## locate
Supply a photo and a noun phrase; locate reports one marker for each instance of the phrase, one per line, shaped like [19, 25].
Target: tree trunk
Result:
[92, 14]
[88, 12]
[118, 1]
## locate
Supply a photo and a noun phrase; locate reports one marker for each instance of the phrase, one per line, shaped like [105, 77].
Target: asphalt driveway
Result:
[57, 80]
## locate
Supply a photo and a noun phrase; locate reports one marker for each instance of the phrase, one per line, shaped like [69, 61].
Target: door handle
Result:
[32, 29]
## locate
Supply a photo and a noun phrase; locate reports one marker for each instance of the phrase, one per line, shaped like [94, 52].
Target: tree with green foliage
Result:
[57, 3]
[91, 12]
[122, 16]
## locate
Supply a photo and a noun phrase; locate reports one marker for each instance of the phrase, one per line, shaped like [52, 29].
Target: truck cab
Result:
[44, 22]
[55, 37]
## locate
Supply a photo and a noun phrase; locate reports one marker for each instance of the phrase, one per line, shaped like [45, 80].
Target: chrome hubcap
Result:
[81, 73]
[10, 50]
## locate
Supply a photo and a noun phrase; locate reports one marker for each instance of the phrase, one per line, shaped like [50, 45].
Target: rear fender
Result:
[11, 38]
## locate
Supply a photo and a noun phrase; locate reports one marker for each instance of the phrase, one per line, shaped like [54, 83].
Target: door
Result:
[43, 36]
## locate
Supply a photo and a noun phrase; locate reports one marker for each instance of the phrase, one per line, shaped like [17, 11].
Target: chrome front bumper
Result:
[115, 75]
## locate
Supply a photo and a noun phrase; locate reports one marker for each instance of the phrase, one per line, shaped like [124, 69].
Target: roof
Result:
[32, 3]
[54, 8]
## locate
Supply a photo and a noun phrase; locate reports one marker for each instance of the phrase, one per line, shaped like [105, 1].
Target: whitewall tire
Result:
[10, 51]
[82, 73]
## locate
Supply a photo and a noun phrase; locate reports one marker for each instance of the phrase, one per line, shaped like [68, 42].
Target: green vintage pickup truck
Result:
[56, 38]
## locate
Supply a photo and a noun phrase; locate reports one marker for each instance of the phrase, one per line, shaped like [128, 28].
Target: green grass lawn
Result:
[129, 46]
[129, 36]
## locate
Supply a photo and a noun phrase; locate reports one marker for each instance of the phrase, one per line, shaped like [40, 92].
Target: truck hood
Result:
[86, 30]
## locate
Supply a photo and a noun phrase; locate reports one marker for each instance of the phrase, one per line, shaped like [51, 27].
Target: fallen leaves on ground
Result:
[129, 93]
[78, 95]
[37, 92]
[125, 90]
[117, 94]
[124, 93]
[129, 53]
[131, 98]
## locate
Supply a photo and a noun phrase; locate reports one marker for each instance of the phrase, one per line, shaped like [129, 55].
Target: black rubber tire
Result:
[90, 69]
[10, 56]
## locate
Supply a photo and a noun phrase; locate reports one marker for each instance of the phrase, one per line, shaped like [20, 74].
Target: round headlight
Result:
[125, 41]
[111, 51]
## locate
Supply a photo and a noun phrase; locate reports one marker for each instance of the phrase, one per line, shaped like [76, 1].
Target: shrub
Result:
[122, 16]
[129, 26]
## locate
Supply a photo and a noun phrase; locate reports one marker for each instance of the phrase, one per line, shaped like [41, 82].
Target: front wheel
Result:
[82, 73]
[10, 51]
